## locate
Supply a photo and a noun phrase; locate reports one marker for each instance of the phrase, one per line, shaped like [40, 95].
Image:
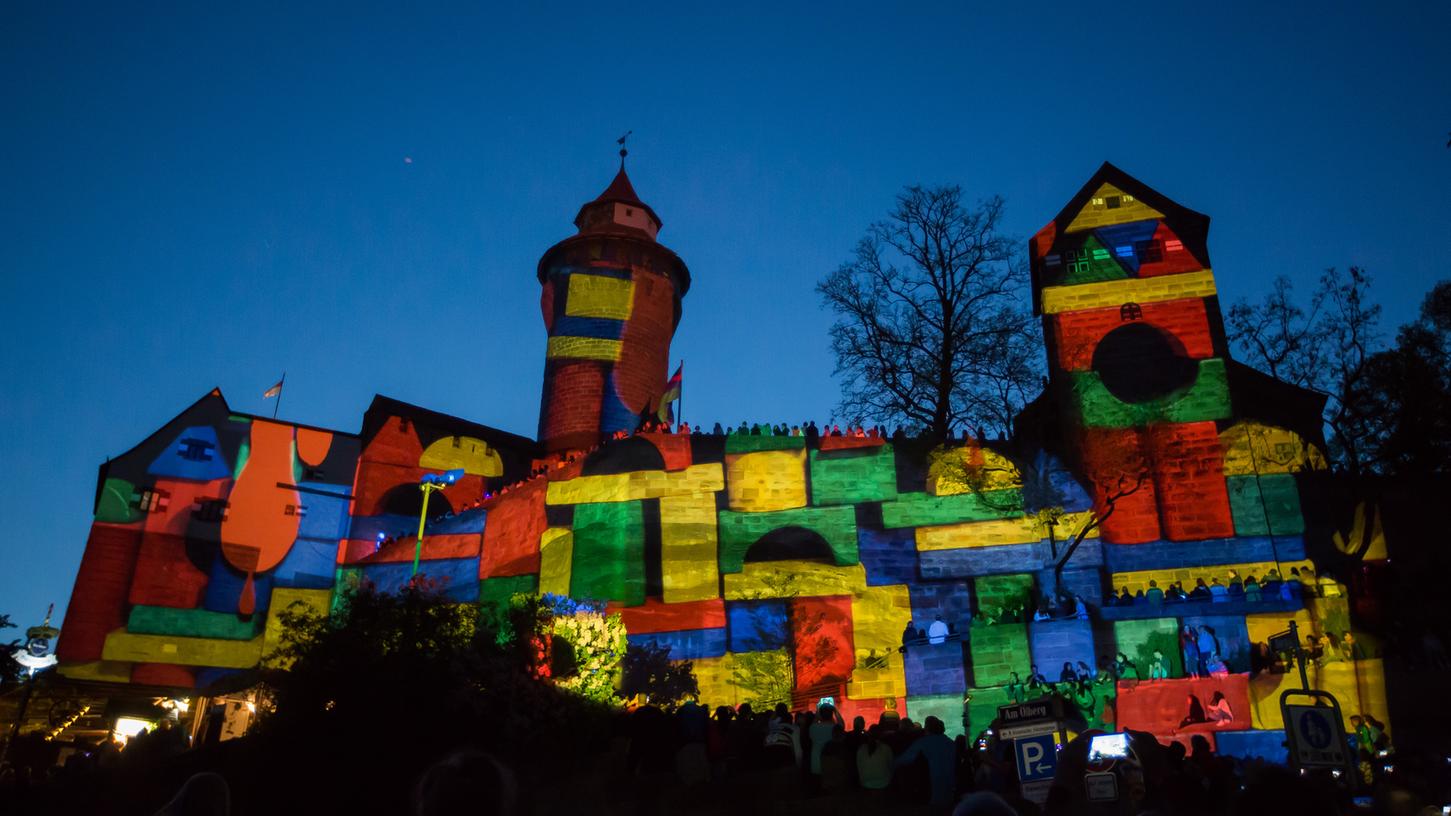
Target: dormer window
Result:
[1113, 202]
[1130, 311]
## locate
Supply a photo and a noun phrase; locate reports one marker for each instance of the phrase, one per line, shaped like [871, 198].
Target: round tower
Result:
[611, 302]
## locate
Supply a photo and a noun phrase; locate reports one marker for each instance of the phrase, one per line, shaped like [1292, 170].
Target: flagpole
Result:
[278, 405]
[682, 392]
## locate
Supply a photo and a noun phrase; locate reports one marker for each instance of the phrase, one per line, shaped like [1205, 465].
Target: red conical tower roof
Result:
[618, 210]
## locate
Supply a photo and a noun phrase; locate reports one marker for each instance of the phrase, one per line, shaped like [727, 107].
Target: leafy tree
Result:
[930, 329]
[649, 672]
[432, 672]
[1403, 398]
[1388, 409]
[10, 670]
[1323, 346]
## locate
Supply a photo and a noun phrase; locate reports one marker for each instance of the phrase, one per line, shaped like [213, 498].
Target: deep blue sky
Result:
[194, 195]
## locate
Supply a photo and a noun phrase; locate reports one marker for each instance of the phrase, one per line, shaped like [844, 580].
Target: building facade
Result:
[1152, 462]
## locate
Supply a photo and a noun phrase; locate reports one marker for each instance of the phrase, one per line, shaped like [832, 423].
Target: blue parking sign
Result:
[1037, 757]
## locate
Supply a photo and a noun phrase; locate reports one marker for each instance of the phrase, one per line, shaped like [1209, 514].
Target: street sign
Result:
[1017, 713]
[1316, 736]
[1032, 729]
[1101, 787]
[1037, 763]
[1037, 757]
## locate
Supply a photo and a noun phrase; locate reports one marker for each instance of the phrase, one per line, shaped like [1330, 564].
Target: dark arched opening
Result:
[407, 500]
[791, 544]
[1139, 363]
[624, 456]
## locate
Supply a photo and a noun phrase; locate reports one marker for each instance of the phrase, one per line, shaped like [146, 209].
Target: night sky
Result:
[195, 197]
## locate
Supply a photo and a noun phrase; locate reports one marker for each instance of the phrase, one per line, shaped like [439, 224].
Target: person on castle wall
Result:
[1208, 648]
[795, 430]
[1192, 661]
[1350, 648]
[1175, 593]
[1270, 587]
[937, 631]
[1159, 667]
[1328, 649]
[1036, 679]
[909, 635]
[836, 430]
[1085, 674]
[1068, 675]
[1139, 597]
[1122, 666]
[1196, 713]
[1251, 590]
[1236, 586]
[1219, 710]
[1080, 609]
[717, 430]
[1201, 591]
[1125, 599]
[1015, 688]
[1218, 592]
[1042, 612]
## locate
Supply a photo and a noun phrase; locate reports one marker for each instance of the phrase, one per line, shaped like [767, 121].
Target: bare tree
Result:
[931, 331]
[1324, 347]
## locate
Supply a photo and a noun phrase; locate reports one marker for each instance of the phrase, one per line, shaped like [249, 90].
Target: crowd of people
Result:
[1301, 582]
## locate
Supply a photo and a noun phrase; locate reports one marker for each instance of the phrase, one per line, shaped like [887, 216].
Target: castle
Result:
[1151, 462]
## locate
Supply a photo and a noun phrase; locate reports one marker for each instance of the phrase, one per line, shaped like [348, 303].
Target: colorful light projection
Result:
[781, 568]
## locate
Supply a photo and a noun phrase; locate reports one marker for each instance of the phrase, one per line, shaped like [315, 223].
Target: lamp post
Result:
[428, 484]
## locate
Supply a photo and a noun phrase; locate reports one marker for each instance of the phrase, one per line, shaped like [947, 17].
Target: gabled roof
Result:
[1188, 225]
[383, 407]
[620, 191]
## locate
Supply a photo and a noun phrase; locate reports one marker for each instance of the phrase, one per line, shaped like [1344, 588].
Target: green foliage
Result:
[764, 677]
[423, 669]
[648, 671]
[10, 670]
[595, 644]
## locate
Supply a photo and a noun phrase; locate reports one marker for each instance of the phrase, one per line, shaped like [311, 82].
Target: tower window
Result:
[1053, 260]
[629, 211]
[209, 510]
[151, 500]
[1150, 251]
[1130, 311]
[195, 450]
[1174, 245]
[1113, 202]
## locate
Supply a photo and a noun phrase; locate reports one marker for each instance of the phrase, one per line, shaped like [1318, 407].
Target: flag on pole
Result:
[672, 393]
[274, 391]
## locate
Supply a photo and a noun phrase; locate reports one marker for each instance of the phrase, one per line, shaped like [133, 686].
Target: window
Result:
[1123, 251]
[1130, 311]
[1113, 202]
[209, 510]
[1174, 245]
[312, 474]
[1100, 254]
[295, 510]
[1053, 260]
[1150, 251]
[195, 450]
[1098, 202]
[1128, 199]
[150, 500]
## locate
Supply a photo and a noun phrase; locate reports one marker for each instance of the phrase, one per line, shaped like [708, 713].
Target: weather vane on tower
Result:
[623, 151]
